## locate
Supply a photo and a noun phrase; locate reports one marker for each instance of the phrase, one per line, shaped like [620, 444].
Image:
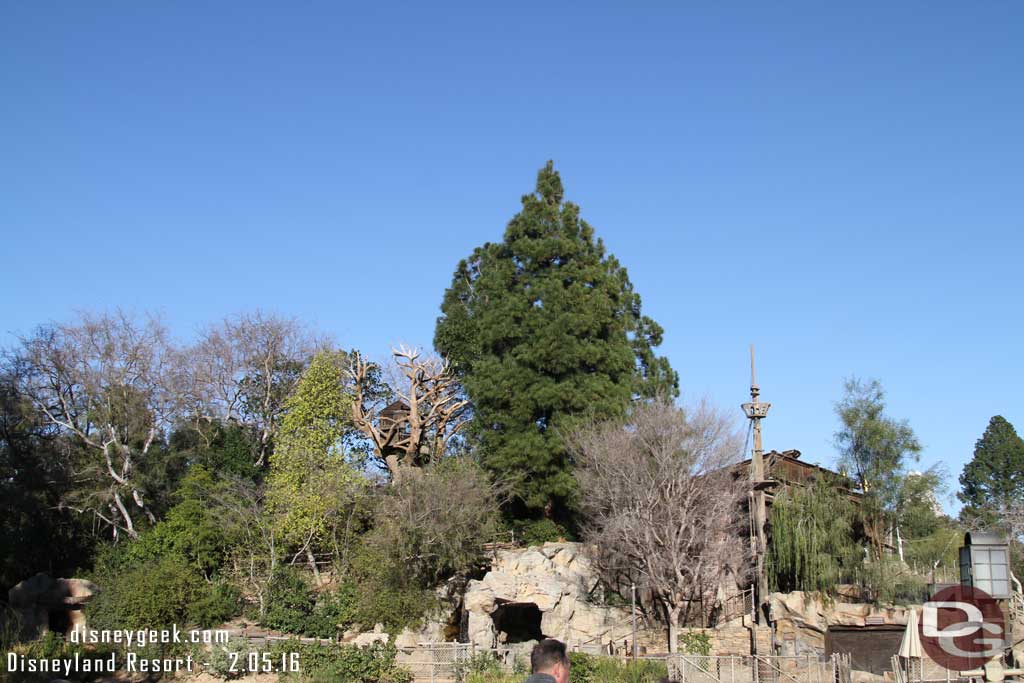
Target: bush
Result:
[481, 666]
[696, 643]
[223, 664]
[333, 612]
[215, 606]
[539, 531]
[372, 664]
[386, 594]
[582, 667]
[293, 607]
[191, 529]
[290, 602]
[417, 529]
[593, 669]
[155, 594]
[52, 646]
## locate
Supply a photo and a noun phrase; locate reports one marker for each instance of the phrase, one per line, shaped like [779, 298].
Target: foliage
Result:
[940, 547]
[220, 661]
[110, 385]
[544, 327]
[372, 664]
[539, 531]
[157, 593]
[386, 593]
[310, 487]
[481, 666]
[191, 529]
[587, 668]
[418, 528]
[994, 477]
[811, 545]
[224, 448]
[218, 604]
[696, 643]
[53, 646]
[889, 581]
[293, 607]
[874, 449]
[35, 533]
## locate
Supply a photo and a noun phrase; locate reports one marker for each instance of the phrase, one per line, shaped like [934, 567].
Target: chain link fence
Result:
[442, 663]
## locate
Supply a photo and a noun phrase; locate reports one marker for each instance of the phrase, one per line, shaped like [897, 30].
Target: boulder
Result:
[557, 579]
[374, 636]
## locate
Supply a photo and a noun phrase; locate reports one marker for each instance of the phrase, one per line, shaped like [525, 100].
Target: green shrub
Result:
[385, 594]
[582, 667]
[152, 595]
[334, 611]
[696, 643]
[348, 663]
[481, 666]
[290, 602]
[222, 662]
[190, 529]
[587, 668]
[218, 604]
[539, 531]
[53, 646]
[293, 607]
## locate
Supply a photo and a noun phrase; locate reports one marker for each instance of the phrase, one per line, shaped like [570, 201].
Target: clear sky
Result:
[840, 183]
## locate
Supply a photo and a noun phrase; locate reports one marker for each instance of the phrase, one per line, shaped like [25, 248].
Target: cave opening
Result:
[58, 620]
[519, 621]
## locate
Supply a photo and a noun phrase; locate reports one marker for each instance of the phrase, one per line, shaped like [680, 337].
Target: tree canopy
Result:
[544, 327]
[994, 477]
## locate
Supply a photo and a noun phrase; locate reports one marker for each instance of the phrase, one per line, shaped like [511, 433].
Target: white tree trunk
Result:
[673, 630]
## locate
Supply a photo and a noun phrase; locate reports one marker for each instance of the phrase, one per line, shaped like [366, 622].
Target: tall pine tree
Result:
[543, 328]
[994, 478]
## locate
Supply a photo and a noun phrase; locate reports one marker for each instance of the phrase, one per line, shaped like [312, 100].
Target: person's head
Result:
[549, 657]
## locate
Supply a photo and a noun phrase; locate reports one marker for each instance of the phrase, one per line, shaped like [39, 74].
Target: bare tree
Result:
[660, 504]
[242, 370]
[254, 559]
[418, 427]
[112, 385]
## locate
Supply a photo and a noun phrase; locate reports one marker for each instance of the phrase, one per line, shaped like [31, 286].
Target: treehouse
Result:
[394, 416]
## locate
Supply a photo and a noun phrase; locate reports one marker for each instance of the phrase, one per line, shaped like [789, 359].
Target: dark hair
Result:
[546, 654]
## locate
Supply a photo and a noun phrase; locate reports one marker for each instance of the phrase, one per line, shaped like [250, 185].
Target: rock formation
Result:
[544, 591]
[43, 603]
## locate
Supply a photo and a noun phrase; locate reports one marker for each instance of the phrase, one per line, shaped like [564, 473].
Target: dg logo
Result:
[962, 627]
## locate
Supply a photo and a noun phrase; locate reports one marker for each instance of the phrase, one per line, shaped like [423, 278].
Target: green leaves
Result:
[994, 478]
[544, 328]
[812, 546]
[309, 480]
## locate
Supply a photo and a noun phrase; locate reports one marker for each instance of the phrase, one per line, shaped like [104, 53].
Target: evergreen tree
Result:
[544, 327]
[994, 478]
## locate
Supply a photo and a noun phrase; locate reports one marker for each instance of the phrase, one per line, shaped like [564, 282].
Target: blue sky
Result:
[841, 185]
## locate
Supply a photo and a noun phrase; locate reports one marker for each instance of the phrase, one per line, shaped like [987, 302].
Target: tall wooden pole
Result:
[755, 412]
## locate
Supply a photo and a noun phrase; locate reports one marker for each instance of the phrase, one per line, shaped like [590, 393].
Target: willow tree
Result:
[311, 487]
[543, 328]
[811, 546]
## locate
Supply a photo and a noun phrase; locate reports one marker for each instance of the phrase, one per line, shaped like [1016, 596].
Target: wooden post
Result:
[755, 412]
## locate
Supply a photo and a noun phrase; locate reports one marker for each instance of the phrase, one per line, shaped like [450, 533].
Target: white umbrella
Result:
[911, 648]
